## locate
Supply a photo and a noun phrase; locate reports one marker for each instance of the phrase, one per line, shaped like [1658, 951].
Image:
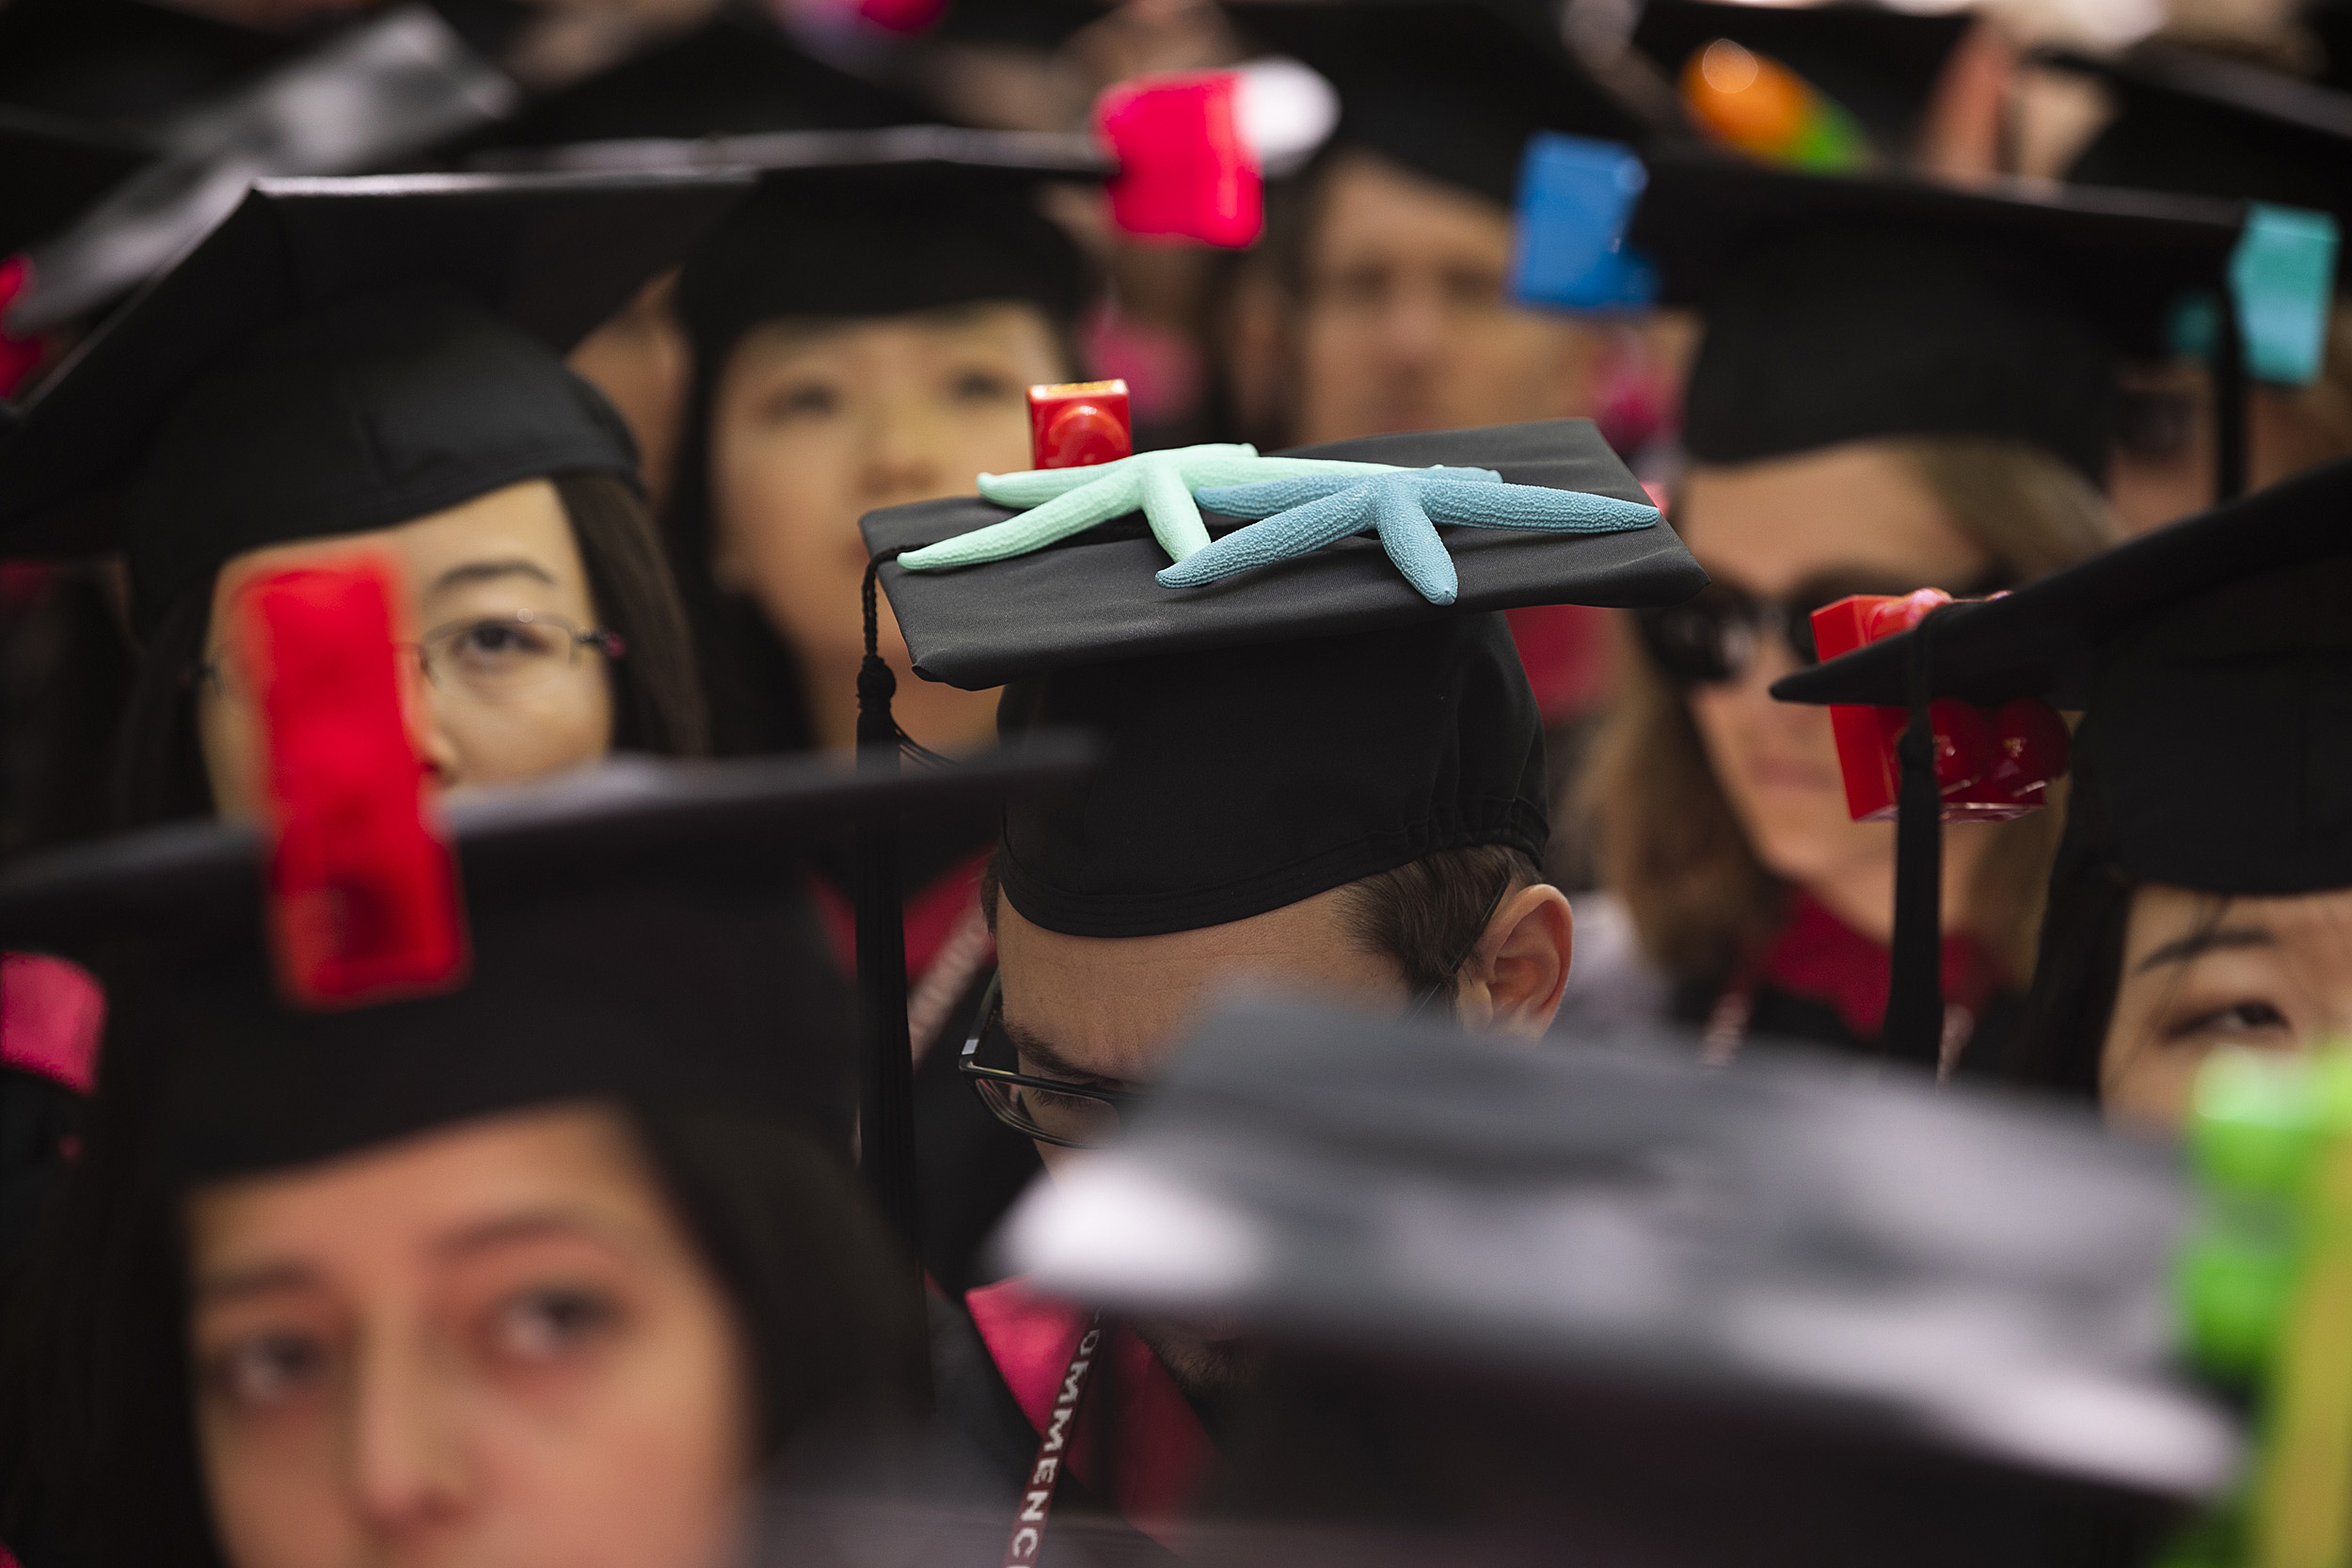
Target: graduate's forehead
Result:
[1113, 1007]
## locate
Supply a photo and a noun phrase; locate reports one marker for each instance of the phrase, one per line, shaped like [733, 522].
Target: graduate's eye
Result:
[2249, 1019]
[1358, 287]
[264, 1370]
[548, 1321]
[977, 386]
[1473, 288]
[801, 400]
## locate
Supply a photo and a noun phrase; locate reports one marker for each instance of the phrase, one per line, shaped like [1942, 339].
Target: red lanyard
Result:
[1036, 1498]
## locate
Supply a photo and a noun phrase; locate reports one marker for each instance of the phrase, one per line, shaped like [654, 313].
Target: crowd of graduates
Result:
[889, 781]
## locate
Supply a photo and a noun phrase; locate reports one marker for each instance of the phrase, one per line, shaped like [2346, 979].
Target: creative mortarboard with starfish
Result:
[1291, 702]
[1050, 567]
[2212, 666]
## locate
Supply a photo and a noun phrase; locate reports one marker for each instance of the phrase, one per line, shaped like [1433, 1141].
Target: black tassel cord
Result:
[886, 1059]
[1915, 999]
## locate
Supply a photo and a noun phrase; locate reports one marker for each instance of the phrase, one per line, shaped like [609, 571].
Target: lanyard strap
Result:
[1036, 1495]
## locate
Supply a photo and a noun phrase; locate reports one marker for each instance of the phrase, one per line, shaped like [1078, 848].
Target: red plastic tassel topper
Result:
[363, 895]
[1185, 170]
[1076, 424]
[1989, 764]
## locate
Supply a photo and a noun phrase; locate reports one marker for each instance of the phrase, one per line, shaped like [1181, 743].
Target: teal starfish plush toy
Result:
[1404, 506]
[1065, 501]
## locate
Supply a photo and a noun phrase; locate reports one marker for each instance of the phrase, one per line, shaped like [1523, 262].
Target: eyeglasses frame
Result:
[967, 1063]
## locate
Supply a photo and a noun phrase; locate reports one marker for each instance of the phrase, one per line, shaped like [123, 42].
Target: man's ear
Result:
[1514, 983]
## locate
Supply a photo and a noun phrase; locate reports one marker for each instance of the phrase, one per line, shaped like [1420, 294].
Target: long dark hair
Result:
[2077, 971]
[95, 1377]
[755, 685]
[657, 694]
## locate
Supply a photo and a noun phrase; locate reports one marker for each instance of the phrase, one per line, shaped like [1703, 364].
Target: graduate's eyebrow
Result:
[529, 1225]
[258, 1280]
[2197, 944]
[489, 571]
[1052, 1063]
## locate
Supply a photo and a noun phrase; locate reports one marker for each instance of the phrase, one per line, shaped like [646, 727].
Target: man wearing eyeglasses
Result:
[1352, 818]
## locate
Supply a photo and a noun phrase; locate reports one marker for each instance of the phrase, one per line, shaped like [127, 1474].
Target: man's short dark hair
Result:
[1426, 916]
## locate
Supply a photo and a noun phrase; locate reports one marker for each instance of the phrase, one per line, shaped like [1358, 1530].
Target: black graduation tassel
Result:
[1915, 998]
[886, 1059]
[2229, 404]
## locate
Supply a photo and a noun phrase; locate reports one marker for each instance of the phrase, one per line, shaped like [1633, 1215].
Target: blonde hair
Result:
[1671, 848]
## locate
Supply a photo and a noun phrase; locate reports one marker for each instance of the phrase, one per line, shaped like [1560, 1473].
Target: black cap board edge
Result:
[293, 243]
[1047, 153]
[1093, 598]
[631, 809]
[2235, 85]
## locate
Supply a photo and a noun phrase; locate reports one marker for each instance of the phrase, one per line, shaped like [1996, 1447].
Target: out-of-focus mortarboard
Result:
[339, 355]
[1530, 1306]
[1285, 731]
[627, 937]
[1037, 24]
[52, 170]
[733, 75]
[2197, 122]
[1880, 66]
[128, 65]
[1451, 89]
[363, 97]
[1840, 308]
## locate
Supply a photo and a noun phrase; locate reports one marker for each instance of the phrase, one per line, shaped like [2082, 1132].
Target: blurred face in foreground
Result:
[2201, 971]
[488, 1345]
[814, 423]
[1110, 1012]
[1407, 324]
[1806, 530]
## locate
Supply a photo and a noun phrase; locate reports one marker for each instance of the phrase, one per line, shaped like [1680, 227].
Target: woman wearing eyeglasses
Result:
[271, 405]
[1914, 388]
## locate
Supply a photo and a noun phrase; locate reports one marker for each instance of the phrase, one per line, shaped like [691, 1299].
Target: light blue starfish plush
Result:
[1063, 501]
[1403, 505]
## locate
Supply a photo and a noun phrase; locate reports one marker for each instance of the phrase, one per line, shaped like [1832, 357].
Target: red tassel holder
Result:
[1991, 765]
[1076, 423]
[1185, 171]
[363, 896]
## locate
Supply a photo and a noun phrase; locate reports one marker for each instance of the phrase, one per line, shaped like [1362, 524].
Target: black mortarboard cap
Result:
[1880, 66]
[368, 95]
[864, 222]
[733, 75]
[2212, 662]
[1284, 731]
[52, 169]
[1598, 1302]
[633, 933]
[2195, 122]
[1039, 24]
[126, 64]
[1449, 89]
[898, 221]
[342, 354]
[1840, 308]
